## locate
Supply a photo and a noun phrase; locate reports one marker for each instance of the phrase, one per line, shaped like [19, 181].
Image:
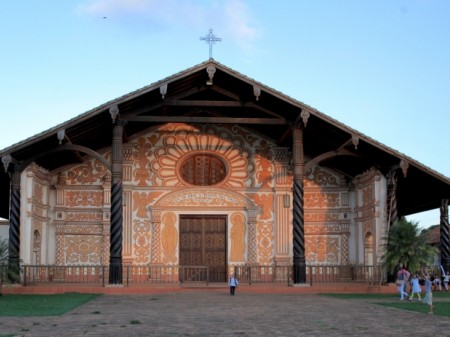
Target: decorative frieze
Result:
[83, 198]
[79, 229]
[321, 217]
[321, 177]
[325, 229]
[88, 173]
[321, 200]
[94, 215]
[198, 198]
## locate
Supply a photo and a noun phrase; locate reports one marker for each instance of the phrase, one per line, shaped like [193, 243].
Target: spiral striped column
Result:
[445, 240]
[115, 256]
[14, 229]
[393, 216]
[299, 262]
[299, 234]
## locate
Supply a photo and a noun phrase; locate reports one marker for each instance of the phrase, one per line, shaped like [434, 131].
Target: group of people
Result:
[438, 283]
[403, 278]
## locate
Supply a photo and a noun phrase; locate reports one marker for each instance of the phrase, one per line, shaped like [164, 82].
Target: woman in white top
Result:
[446, 279]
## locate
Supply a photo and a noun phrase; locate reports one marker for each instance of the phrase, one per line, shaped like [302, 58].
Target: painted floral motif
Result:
[265, 242]
[322, 249]
[88, 173]
[141, 241]
[81, 249]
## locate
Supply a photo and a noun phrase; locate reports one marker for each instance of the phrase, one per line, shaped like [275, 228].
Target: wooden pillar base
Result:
[115, 271]
[299, 270]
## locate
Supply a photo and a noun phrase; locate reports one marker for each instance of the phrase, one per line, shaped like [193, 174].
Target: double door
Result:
[203, 248]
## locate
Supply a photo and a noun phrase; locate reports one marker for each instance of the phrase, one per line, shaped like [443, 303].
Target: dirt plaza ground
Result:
[216, 313]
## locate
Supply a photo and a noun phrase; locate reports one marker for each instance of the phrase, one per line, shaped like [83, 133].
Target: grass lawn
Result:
[441, 301]
[42, 305]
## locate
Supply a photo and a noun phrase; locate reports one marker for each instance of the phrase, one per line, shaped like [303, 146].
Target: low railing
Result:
[33, 274]
[344, 274]
[151, 274]
[264, 274]
[64, 274]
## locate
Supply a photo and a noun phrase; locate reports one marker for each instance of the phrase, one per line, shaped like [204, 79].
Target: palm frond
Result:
[406, 243]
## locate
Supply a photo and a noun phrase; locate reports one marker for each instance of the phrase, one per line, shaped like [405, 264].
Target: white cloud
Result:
[237, 18]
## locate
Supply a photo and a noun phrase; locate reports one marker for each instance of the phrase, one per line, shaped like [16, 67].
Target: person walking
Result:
[415, 288]
[402, 278]
[233, 283]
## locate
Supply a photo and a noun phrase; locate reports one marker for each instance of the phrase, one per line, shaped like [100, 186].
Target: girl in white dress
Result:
[416, 289]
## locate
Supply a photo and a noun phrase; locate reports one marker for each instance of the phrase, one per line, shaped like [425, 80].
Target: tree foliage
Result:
[406, 243]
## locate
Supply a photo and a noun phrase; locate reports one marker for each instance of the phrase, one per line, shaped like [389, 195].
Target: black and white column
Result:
[445, 240]
[298, 207]
[115, 257]
[14, 228]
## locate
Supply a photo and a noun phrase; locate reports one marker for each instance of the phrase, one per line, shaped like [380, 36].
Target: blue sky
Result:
[381, 67]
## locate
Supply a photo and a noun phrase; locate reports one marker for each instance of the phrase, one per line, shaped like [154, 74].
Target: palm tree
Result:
[406, 243]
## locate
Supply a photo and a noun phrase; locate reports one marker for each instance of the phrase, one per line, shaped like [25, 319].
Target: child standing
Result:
[416, 289]
[428, 298]
[233, 283]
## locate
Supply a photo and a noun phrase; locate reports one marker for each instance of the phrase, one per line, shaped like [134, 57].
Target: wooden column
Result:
[115, 256]
[298, 207]
[392, 198]
[14, 228]
[445, 240]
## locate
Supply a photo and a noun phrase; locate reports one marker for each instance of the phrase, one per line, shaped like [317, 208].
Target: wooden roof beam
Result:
[196, 119]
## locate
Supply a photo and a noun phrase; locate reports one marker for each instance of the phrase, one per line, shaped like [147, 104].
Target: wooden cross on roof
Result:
[210, 39]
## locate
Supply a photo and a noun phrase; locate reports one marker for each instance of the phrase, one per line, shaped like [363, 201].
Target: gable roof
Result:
[230, 97]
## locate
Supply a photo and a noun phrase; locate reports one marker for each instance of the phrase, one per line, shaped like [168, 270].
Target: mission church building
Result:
[208, 168]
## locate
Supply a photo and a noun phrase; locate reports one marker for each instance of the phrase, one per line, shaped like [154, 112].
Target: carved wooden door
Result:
[203, 247]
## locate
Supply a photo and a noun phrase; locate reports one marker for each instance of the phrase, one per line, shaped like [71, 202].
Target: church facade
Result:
[199, 187]
[177, 172]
